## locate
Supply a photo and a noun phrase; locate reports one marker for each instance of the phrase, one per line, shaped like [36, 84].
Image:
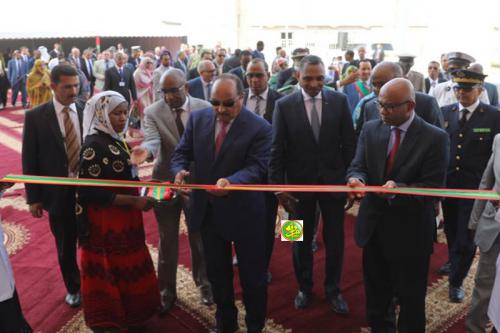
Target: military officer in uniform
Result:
[443, 92]
[471, 125]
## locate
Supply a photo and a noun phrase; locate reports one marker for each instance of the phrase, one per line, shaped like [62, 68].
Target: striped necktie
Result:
[72, 143]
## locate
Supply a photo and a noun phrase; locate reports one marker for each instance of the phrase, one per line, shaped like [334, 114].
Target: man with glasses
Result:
[443, 92]
[164, 124]
[313, 143]
[220, 56]
[229, 145]
[165, 62]
[245, 58]
[434, 78]
[260, 99]
[201, 86]
[471, 125]
[396, 232]
[426, 106]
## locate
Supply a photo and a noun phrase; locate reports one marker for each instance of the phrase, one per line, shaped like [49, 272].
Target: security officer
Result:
[471, 125]
[443, 92]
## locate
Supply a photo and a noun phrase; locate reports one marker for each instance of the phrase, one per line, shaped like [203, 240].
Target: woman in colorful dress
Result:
[119, 285]
[143, 77]
[38, 84]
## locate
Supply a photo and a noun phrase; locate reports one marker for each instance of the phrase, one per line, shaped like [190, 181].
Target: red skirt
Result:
[119, 286]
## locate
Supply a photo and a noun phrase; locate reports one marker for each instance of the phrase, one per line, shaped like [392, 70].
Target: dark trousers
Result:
[271, 213]
[332, 210]
[385, 277]
[4, 88]
[20, 86]
[461, 246]
[11, 317]
[252, 267]
[64, 230]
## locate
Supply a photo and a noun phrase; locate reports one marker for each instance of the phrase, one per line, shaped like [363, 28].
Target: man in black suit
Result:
[260, 99]
[471, 125]
[239, 71]
[426, 106]
[88, 69]
[56, 51]
[181, 62]
[396, 232]
[120, 78]
[313, 143]
[434, 77]
[232, 62]
[51, 145]
[287, 77]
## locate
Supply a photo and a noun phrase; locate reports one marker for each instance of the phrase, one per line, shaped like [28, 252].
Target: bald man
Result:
[396, 232]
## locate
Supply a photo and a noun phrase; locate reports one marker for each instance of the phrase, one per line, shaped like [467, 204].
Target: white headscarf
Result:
[96, 114]
[45, 55]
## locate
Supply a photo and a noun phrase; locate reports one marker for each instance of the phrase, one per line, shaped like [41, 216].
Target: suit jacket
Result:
[89, 76]
[296, 157]
[196, 88]
[407, 221]
[417, 79]
[286, 76]
[179, 64]
[15, 75]
[272, 97]
[230, 63]
[353, 96]
[238, 71]
[426, 108]
[242, 159]
[44, 154]
[470, 146]
[482, 218]
[161, 135]
[492, 91]
[428, 83]
[112, 82]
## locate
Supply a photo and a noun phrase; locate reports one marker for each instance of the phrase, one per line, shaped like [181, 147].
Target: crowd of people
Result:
[214, 118]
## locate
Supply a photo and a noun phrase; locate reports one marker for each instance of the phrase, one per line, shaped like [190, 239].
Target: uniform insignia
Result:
[105, 161]
[481, 130]
[94, 170]
[445, 124]
[460, 74]
[448, 88]
[118, 166]
[78, 209]
[88, 154]
[114, 150]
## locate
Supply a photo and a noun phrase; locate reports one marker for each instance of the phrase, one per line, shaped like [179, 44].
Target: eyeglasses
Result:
[466, 89]
[172, 90]
[390, 106]
[227, 103]
[257, 75]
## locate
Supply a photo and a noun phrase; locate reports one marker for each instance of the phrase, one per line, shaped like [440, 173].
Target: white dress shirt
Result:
[73, 114]
[205, 89]
[252, 102]
[404, 128]
[471, 108]
[186, 110]
[318, 100]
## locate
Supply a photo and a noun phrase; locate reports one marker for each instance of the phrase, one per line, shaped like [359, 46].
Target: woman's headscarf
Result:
[96, 114]
[45, 54]
[144, 63]
[39, 68]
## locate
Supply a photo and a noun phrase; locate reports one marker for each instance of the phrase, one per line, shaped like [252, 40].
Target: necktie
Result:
[72, 143]
[315, 120]
[107, 64]
[120, 71]
[89, 67]
[257, 98]
[394, 150]
[463, 120]
[209, 90]
[18, 68]
[178, 121]
[220, 137]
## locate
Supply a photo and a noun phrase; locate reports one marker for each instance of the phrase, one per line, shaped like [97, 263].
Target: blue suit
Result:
[196, 89]
[17, 79]
[353, 96]
[238, 217]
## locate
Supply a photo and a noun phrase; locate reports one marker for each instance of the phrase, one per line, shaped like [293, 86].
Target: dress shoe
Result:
[269, 277]
[445, 269]
[456, 294]
[165, 307]
[207, 298]
[338, 304]
[218, 330]
[73, 300]
[302, 300]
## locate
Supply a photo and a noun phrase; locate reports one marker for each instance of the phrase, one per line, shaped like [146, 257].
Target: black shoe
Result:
[165, 307]
[269, 277]
[338, 304]
[302, 300]
[456, 294]
[207, 297]
[73, 300]
[218, 330]
[445, 269]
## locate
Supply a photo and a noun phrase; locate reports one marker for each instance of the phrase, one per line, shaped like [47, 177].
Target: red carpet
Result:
[41, 290]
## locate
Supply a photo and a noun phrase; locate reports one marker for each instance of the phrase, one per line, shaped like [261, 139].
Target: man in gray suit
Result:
[164, 123]
[486, 224]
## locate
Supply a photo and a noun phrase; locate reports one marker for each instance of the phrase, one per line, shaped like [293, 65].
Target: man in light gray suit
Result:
[100, 67]
[487, 228]
[158, 72]
[164, 123]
